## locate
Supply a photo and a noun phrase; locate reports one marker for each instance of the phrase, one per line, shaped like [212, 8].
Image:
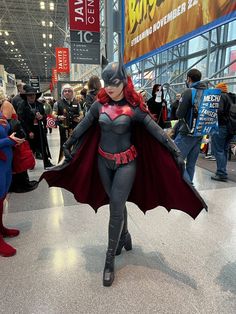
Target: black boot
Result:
[125, 241]
[108, 273]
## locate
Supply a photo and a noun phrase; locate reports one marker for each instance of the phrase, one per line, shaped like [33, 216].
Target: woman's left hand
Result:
[16, 139]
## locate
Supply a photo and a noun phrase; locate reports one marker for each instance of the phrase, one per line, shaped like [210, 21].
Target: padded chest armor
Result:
[116, 119]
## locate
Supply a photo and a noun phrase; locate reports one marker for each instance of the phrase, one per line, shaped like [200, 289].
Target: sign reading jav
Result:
[84, 15]
[62, 60]
[84, 31]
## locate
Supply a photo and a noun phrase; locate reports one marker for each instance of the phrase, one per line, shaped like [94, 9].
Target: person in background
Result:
[20, 182]
[189, 145]
[174, 107]
[68, 114]
[33, 119]
[48, 111]
[157, 105]
[18, 99]
[221, 140]
[6, 144]
[94, 85]
[83, 94]
[105, 168]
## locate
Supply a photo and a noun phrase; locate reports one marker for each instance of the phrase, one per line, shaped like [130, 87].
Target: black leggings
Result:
[117, 181]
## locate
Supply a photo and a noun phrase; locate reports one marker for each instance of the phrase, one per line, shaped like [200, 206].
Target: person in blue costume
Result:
[118, 153]
[6, 144]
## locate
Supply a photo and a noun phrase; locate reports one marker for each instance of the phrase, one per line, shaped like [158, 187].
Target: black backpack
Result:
[231, 125]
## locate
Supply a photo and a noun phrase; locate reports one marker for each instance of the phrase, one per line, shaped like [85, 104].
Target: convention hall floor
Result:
[177, 265]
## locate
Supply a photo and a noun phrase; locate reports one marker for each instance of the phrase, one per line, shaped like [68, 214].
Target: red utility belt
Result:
[120, 158]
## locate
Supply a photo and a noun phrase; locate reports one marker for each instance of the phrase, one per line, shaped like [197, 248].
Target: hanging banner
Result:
[54, 76]
[62, 60]
[85, 31]
[152, 26]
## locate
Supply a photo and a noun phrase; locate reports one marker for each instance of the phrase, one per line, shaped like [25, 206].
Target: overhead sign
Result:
[84, 31]
[62, 60]
[152, 26]
[84, 15]
[85, 47]
[34, 81]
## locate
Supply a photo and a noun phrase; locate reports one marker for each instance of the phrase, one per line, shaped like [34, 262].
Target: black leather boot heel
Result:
[108, 273]
[126, 242]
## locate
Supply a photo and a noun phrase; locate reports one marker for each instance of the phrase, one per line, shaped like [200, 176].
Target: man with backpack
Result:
[189, 145]
[227, 128]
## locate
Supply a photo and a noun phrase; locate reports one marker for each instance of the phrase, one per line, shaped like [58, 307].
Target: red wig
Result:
[133, 98]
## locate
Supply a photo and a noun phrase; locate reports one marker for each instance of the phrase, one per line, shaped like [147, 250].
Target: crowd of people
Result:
[107, 135]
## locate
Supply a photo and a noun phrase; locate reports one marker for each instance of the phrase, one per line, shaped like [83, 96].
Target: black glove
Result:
[180, 162]
[67, 148]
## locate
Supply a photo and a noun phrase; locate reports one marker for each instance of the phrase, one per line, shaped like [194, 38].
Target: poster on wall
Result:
[152, 26]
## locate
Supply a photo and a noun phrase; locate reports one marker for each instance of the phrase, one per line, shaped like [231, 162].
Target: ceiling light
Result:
[44, 44]
[43, 23]
[6, 33]
[44, 35]
[51, 6]
[16, 49]
[50, 45]
[0, 33]
[51, 24]
[12, 42]
[50, 36]
[42, 5]
[6, 42]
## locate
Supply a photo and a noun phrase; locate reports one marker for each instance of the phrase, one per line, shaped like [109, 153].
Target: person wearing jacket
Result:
[68, 113]
[221, 140]
[33, 120]
[189, 145]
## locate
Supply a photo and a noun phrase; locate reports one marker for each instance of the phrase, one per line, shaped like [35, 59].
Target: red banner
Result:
[54, 76]
[62, 60]
[84, 15]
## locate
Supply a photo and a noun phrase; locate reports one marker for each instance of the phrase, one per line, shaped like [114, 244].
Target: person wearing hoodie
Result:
[189, 145]
[67, 111]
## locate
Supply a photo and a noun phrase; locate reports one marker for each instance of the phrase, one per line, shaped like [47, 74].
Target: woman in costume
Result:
[122, 154]
[6, 144]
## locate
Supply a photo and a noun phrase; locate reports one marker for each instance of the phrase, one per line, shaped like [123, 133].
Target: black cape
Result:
[158, 182]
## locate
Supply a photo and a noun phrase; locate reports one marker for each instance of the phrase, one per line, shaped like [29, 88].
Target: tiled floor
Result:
[177, 265]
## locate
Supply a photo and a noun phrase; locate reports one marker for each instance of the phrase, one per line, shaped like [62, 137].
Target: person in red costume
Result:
[6, 144]
[117, 154]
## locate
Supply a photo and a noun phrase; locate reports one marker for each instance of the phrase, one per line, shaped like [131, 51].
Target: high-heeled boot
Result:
[125, 238]
[125, 241]
[108, 273]
[5, 232]
[115, 228]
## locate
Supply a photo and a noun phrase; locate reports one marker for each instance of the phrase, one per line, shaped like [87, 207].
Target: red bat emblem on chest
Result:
[115, 111]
